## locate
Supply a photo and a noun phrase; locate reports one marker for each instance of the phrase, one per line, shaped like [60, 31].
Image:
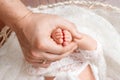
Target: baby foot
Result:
[67, 37]
[57, 36]
[62, 37]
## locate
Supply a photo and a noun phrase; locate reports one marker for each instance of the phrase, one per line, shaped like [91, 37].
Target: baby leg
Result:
[87, 74]
[86, 42]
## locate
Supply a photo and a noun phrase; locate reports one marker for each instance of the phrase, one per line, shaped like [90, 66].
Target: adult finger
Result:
[51, 58]
[54, 48]
[36, 64]
[71, 28]
[54, 57]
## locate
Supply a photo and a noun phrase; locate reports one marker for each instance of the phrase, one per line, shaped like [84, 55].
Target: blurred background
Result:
[34, 3]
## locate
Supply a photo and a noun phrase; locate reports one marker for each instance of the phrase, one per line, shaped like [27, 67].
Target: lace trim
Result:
[71, 63]
[92, 55]
[88, 4]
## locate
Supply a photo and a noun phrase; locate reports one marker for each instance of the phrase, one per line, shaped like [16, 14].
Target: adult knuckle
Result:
[32, 55]
[29, 57]
[29, 60]
[39, 45]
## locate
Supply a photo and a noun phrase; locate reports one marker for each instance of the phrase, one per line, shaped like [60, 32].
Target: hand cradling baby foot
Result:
[62, 37]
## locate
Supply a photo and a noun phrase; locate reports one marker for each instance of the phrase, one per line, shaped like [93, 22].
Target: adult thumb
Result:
[72, 29]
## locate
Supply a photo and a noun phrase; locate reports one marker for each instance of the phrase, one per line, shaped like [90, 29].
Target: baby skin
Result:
[64, 37]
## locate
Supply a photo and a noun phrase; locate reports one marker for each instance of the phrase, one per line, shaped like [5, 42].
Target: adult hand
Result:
[34, 34]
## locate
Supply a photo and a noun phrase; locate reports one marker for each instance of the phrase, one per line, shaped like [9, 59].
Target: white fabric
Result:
[70, 67]
[12, 63]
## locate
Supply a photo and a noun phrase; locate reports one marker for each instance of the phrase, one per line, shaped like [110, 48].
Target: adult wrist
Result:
[22, 21]
[11, 11]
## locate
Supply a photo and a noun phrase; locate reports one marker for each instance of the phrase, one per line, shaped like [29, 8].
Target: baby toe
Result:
[58, 30]
[67, 36]
[57, 36]
[60, 41]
